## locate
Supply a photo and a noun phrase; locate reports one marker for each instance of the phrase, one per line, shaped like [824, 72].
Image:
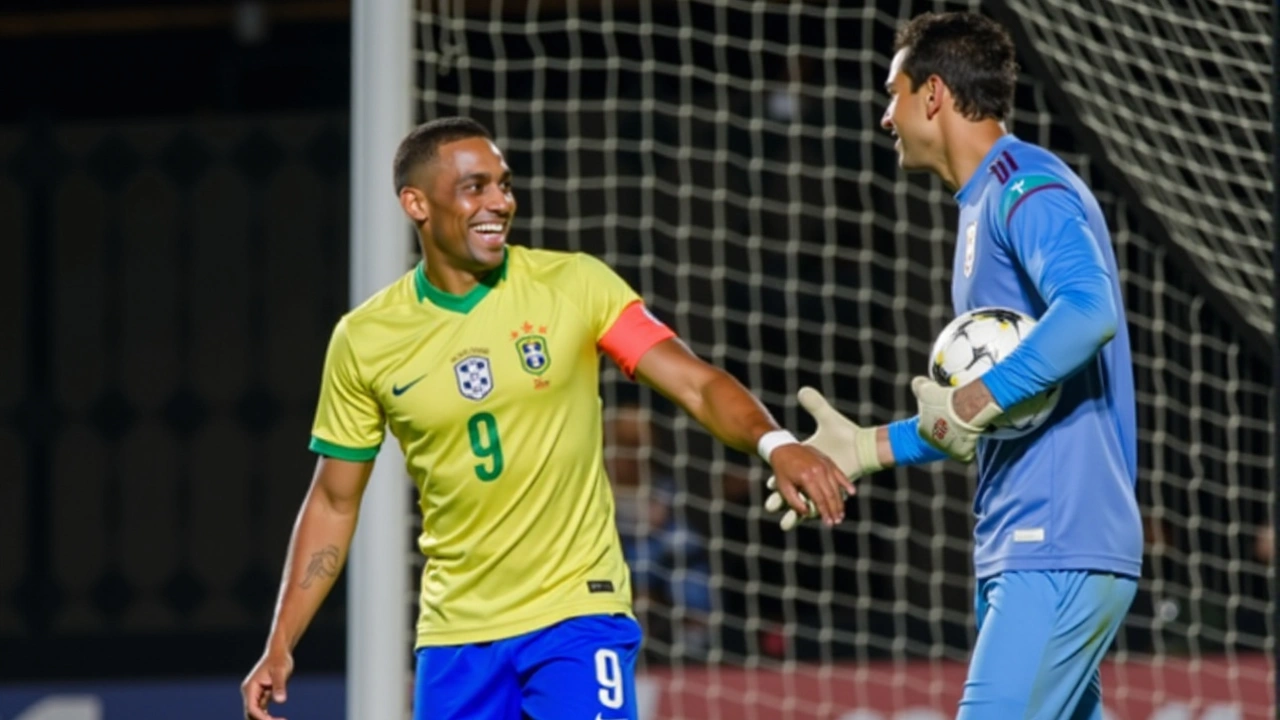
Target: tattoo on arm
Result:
[323, 565]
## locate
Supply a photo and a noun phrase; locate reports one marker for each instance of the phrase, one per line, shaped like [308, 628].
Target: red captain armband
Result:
[631, 336]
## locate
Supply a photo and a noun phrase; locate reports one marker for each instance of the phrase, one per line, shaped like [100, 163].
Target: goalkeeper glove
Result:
[941, 427]
[850, 447]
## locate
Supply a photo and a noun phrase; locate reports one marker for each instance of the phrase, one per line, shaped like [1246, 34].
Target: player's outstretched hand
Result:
[851, 447]
[266, 684]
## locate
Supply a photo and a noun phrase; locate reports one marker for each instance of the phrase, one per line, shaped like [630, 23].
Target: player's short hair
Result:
[420, 146]
[973, 55]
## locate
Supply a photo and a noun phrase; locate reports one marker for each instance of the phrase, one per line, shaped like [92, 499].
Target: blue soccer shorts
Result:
[1041, 638]
[581, 668]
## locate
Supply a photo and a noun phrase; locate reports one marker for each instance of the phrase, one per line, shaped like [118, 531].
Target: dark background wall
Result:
[173, 216]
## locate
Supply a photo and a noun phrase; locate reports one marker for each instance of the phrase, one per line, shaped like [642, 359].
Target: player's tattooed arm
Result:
[324, 564]
[318, 549]
[970, 399]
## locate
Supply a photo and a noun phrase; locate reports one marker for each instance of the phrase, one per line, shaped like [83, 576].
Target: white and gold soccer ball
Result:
[971, 345]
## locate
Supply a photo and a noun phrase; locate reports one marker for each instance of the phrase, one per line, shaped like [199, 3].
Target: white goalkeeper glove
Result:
[941, 427]
[850, 447]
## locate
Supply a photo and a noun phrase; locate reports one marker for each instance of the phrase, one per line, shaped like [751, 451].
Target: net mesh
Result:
[725, 157]
[1179, 92]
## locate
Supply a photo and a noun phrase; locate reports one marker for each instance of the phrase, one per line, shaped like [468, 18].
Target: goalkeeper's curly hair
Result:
[973, 54]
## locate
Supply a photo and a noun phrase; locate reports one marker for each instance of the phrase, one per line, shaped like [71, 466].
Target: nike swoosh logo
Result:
[399, 390]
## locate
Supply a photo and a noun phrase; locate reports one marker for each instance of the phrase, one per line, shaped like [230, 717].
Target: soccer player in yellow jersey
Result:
[484, 363]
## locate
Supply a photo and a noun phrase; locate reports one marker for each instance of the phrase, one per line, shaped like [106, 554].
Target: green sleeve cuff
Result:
[324, 447]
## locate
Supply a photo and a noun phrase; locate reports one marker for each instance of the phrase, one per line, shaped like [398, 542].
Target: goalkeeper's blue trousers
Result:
[1041, 637]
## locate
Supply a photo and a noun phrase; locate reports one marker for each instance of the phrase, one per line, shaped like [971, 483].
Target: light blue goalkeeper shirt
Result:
[1031, 237]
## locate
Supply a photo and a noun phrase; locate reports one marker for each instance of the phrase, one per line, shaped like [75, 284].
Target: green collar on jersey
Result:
[458, 303]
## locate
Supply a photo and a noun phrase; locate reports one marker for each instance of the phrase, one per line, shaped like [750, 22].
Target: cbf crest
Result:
[475, 377]
[533, 354]
[970, 247]
[535, 357]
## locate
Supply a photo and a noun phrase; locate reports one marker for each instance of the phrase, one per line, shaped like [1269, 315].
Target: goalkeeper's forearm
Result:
[905, 445]
[317, 552]
[884, 447]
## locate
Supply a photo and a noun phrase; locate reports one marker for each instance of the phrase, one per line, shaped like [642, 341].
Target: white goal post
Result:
[378, 585]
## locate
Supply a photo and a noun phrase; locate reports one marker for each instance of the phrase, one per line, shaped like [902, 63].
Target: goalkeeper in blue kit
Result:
[1058, 536]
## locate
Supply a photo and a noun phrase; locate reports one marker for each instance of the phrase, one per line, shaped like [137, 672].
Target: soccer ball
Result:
[971, 345]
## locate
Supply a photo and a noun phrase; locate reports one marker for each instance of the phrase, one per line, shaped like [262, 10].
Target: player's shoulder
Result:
[1026, 154]
[1024, 170]
[400, 293]
[536, 262]
[397, 297]
[558, 268]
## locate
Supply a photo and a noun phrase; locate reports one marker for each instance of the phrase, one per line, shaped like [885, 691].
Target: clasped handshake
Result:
[859, 451]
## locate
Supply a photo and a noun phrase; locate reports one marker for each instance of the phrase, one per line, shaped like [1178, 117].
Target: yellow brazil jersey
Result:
[494, 398]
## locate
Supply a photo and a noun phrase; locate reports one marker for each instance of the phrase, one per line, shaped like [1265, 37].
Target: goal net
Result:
[1179, 93]
[725, 157]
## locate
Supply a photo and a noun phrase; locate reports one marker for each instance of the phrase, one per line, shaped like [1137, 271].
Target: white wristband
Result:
[773, 440]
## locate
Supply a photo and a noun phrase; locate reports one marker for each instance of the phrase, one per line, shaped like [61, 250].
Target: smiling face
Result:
[908, 117]
[463, 202]
[951, 72]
